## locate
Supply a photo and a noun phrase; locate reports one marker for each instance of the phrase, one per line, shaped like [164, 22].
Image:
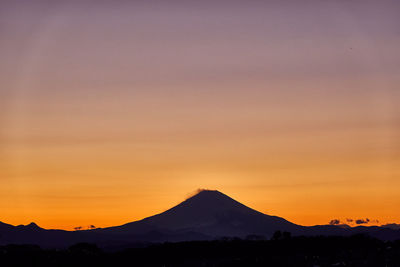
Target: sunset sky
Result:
[112, 111]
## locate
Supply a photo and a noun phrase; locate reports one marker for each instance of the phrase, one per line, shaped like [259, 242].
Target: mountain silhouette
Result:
[212, 214]
[207, 215]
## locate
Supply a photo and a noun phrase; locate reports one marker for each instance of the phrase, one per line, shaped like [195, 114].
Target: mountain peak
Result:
[32, 225]
[209, 200]
[210, 213]
[208, 193]
[206, 206]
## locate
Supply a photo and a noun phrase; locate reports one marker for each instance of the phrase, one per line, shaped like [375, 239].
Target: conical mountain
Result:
[209, 213]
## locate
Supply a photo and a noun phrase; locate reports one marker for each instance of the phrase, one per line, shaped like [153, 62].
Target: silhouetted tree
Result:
[277, 235]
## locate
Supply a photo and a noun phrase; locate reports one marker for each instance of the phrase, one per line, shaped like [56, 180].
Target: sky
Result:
[112, 111]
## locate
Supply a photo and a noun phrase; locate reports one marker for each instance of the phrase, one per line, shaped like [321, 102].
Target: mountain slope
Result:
[210, 213]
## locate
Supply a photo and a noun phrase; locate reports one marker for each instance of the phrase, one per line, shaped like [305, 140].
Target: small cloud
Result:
[362, 221]
[334, 222]
[199, 190]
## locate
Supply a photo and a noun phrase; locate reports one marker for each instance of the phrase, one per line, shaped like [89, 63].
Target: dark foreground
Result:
[285, 251]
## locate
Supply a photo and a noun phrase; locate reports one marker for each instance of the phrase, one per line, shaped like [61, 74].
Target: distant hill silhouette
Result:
[207, 215]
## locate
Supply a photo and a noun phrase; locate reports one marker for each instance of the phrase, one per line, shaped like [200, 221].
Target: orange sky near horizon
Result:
[114, 112]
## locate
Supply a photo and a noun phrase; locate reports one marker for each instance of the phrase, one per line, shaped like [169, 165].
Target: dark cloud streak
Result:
[362, 221]
[334, 222]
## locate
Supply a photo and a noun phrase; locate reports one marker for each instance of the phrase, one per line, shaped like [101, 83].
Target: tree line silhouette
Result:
[281, 250]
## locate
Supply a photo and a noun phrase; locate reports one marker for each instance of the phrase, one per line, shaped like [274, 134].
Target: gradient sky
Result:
[111, 111]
